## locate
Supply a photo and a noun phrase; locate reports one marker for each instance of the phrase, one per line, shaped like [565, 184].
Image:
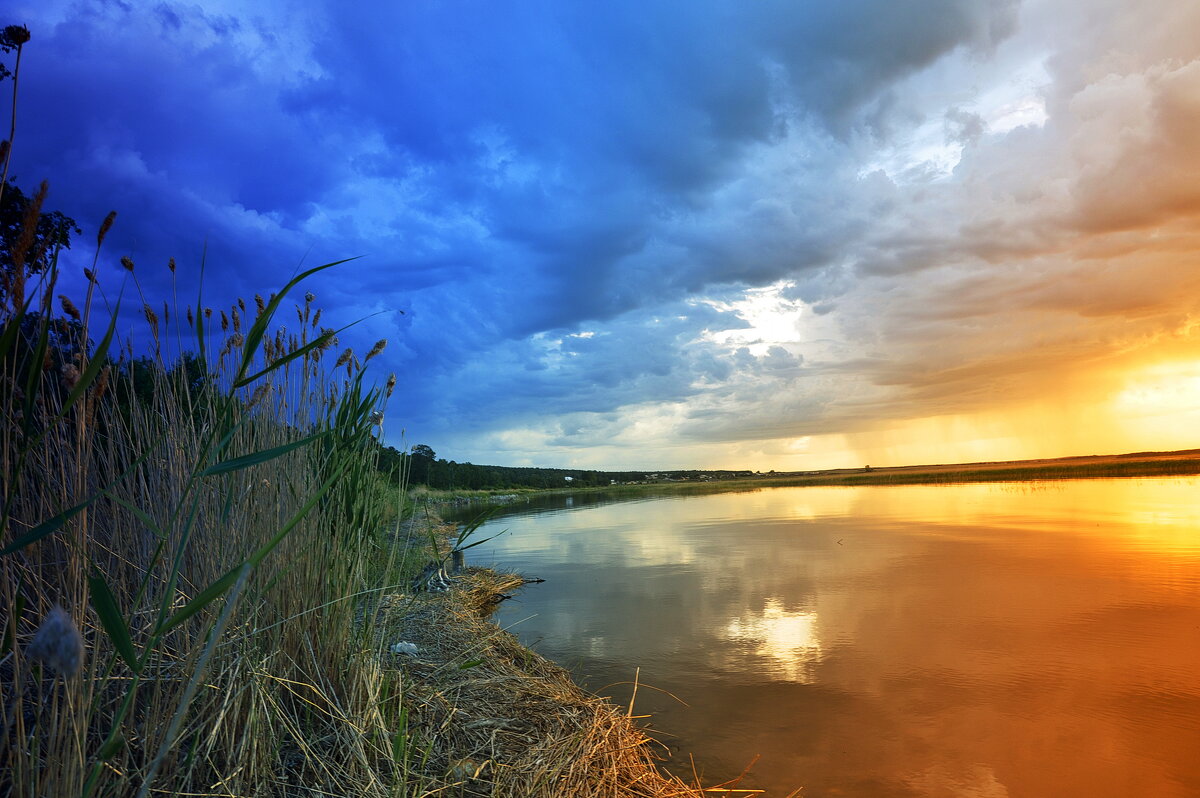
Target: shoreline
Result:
[489, 717]
[1184, 463]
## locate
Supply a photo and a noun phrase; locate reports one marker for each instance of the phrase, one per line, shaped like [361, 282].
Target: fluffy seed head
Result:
[57, 644]
[391, 384]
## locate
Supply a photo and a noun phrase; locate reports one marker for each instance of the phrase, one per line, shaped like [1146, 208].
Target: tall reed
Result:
[190, 552]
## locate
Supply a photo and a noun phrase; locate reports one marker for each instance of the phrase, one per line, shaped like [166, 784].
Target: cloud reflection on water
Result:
[913, 642]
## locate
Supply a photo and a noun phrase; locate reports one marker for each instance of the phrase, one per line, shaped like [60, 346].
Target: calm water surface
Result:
[975, 640]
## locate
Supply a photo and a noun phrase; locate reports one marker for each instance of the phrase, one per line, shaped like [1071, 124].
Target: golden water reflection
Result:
[914, 642]
[788, 639]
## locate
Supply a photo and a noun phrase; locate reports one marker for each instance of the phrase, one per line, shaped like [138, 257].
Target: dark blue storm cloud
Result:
[509, 174]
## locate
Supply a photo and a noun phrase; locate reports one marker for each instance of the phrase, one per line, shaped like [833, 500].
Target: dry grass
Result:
[492, 718]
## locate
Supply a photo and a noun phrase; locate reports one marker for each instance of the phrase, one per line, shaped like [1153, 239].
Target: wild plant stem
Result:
[12, 128]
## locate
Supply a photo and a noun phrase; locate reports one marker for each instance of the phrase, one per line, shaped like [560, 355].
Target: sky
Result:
[703, 234]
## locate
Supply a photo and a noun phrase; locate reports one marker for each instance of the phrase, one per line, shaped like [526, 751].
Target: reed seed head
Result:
[224, 322]
[309, 298]
[391, 385]
[237, 320]
[171, 264]
[57, 643]
[316, 318]
[70, 376]
[344, 358]
[105, 226]
[27, 237]
[102, 381]
[189, 316]
[375, 350]
[127, 262]
[69, 307]
[259, 394]
[262, 306]
[90, 275]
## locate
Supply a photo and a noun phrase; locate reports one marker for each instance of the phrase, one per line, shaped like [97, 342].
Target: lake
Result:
[981, 640]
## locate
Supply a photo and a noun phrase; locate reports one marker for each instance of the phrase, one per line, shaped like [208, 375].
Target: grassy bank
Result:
[204, 579]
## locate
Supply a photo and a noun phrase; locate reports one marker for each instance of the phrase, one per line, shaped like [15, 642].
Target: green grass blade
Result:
[141, 516]
[257, 330]
[217, 588]
[254, 458]
[202, 599]
[10, 626]
[301, 352]
[114, 625]
[258, 556]
[12, 329]
[98, 359]
[47, 527]
[33, 380]
[481, 542]
[52, 525]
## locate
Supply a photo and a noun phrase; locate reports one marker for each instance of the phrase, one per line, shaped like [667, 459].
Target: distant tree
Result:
[30, 239]
[421, 462]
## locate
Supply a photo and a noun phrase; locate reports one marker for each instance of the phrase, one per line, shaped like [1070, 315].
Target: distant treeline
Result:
[423, 467]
